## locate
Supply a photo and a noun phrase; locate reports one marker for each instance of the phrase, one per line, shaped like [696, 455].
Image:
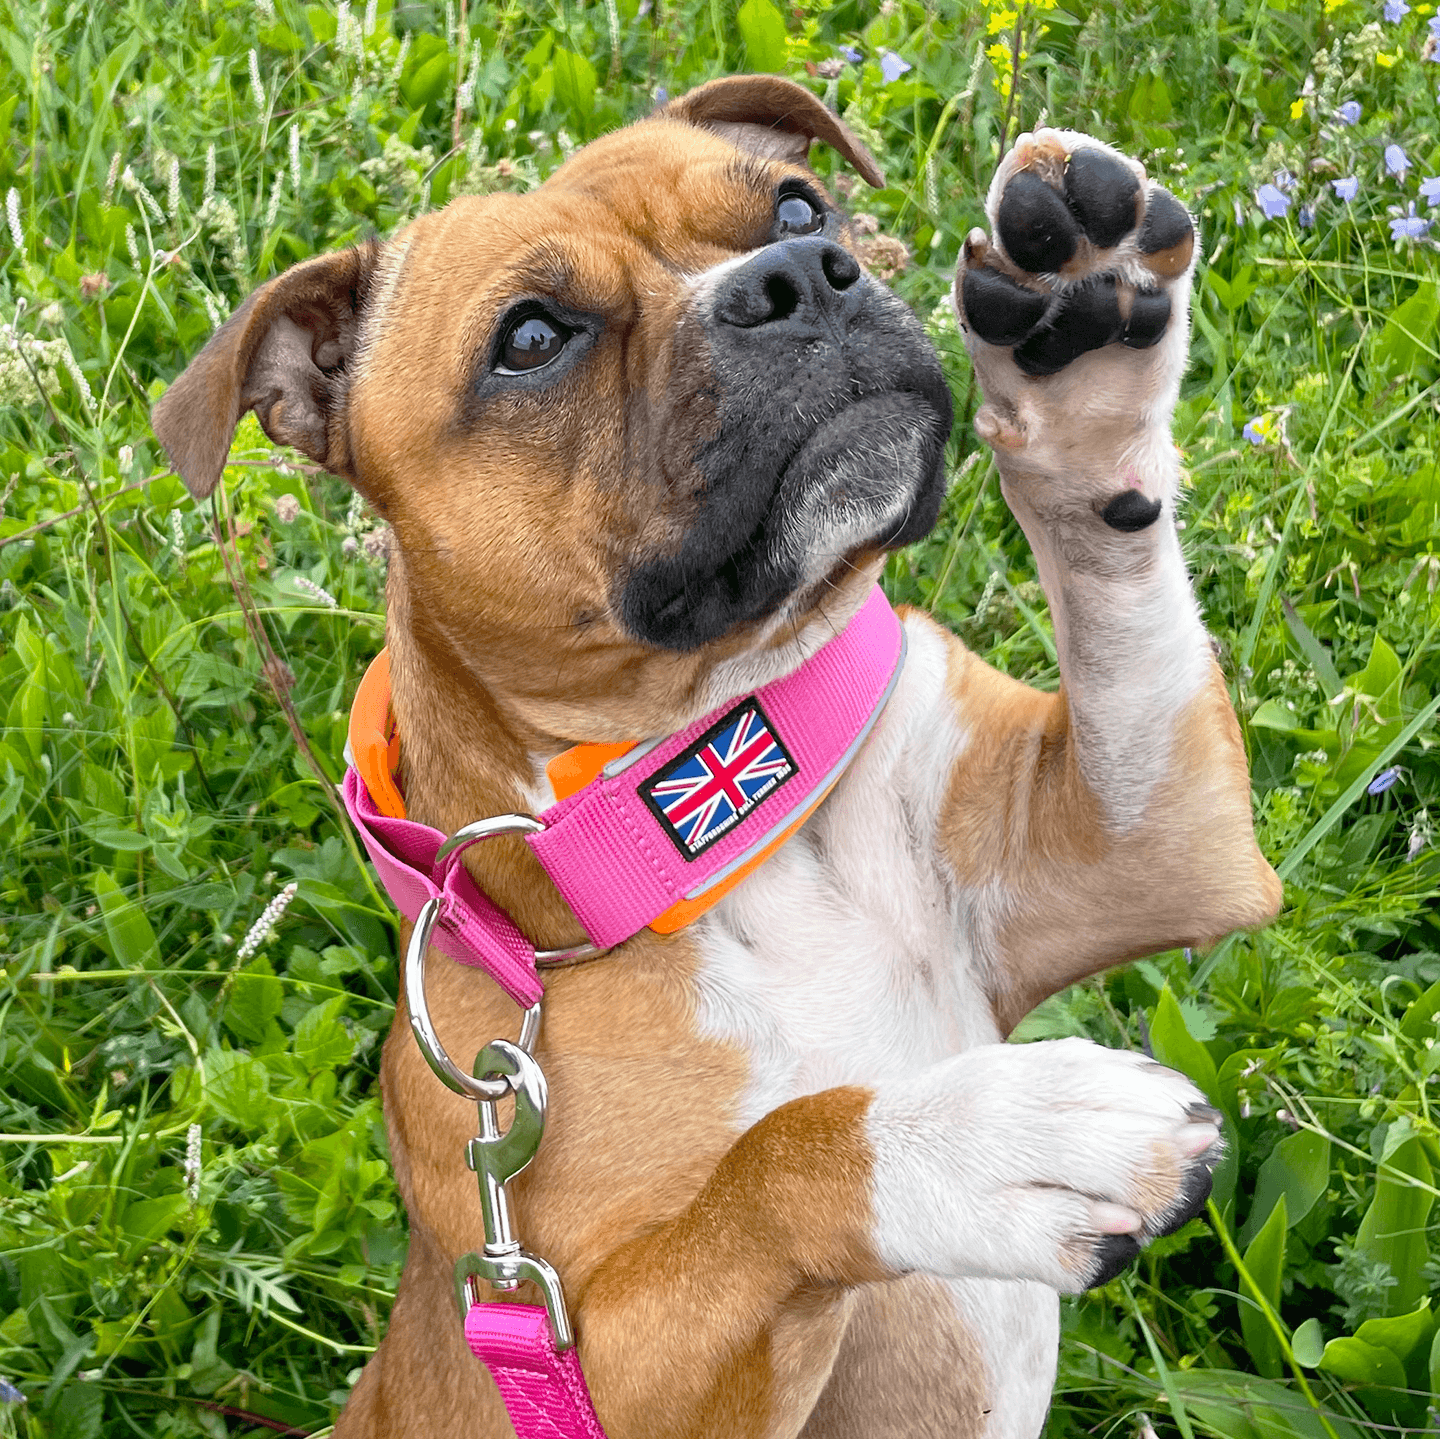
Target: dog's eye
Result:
[531, 342]
[795, 215]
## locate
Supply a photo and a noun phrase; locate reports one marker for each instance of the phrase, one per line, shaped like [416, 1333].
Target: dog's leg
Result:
[1111, 819]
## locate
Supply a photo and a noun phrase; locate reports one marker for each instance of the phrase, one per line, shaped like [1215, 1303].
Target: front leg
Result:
[1112, 819]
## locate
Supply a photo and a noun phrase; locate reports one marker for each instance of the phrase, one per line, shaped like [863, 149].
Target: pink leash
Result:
[665, 825]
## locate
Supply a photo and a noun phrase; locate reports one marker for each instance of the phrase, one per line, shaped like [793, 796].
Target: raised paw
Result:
[1084, 250]
[1053, 1162]
[1074, 309]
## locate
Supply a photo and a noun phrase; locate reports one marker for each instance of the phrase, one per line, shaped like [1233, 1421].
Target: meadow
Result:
[199, 1234]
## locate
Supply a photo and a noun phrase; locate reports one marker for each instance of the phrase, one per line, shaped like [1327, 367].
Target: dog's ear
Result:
[773, 117]
[286, 353]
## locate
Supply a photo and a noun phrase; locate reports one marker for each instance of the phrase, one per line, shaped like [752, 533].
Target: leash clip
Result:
[497, 1157]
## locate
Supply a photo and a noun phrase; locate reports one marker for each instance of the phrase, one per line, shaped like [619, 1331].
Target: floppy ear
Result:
[773, 117]
[286, 353]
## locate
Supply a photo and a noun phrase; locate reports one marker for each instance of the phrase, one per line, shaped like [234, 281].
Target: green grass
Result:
[163, 662]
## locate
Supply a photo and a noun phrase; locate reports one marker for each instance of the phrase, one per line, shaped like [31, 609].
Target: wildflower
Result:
[1395, 11]
[1384, 780]
[1349, 113]
[172, 199]
[92, 285]
[1239, 211]
[125, 459]
[295, 158]
[316, 592]
[270, 916]
[192, 1163]
[272, 213]
[1256, 429]
[9, 1394]
[12, 214]
[892, 67]
[1273, 203]
[286, 509]
[111, 177]
[376, 543]
[177, 536]
[1346, 188]
[853, 55]
[1434, 24]
[132, 244]
[1410, 226]
[831, 69]
[1297, 109]
[1306, 217]
[1397, 162]
[1430, 190]
[1284, 180]
[1420, 835]
[257, 88]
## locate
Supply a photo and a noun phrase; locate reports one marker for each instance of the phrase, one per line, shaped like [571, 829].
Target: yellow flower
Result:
[1332, 5]
[1001, 20]
[1386, 60]
[1297, 109]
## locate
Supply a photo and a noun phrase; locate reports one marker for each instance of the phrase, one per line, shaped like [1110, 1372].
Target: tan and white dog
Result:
[644, 436]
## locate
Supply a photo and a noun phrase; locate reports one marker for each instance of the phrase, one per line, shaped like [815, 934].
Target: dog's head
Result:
[653, 407]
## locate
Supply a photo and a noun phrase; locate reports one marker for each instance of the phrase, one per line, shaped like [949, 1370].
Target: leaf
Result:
[1393, 1229]
[1174, 1045]
[1265, 1262]
[321, 1042]
[78, 1412]
[1313, 650]
[1419, 1018]
[239, 1088]
[1296, 1172]
[574, 83]
[1411, 325]
[129, 932]
[762, 28]
[1408, 1337]
[255, 1000]
[1273, 715]
[1356, 1362]
[1307, 1343]
[1381, 671]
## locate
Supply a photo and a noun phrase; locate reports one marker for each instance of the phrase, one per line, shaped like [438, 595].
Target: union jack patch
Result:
[704, 792]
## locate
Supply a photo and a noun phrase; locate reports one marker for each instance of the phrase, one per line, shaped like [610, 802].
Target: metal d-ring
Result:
[479, 1086]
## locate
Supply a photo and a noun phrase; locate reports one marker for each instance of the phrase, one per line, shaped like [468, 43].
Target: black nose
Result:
[807, 282]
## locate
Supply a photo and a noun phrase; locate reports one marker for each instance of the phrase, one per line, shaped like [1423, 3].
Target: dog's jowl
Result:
[644, 437]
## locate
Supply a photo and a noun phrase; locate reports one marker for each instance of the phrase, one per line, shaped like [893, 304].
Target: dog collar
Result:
[643, 834]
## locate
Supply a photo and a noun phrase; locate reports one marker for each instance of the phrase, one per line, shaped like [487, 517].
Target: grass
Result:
[198, 1229]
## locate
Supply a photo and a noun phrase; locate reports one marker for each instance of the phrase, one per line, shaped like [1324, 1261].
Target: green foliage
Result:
[197, 1218]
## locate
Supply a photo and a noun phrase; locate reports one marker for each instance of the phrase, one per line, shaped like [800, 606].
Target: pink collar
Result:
[667, 828]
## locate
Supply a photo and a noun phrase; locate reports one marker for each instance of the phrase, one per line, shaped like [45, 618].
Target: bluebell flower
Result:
[1384, 780]
[1410, 227]
[1345, 189]
[1397, 162]
[1430, 190]
[1272, 202]
[1253, 430]
[1305, 217]
[892, 67]
[853, 55]
[1395, 11]
[1349, 113]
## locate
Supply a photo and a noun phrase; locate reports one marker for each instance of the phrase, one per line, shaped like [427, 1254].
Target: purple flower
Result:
[1284, 180]
[1305, 216]
[892, 67]
[1434, 24]
[1430, 190]
[1395, 11]
[1384, 780]
[10, 1394]
[662, 96]
[1409, 227]
[1349, 113]
[1345, 189]
[1397, 162]
[853, 55]
[1272, 202]
[1252, 430]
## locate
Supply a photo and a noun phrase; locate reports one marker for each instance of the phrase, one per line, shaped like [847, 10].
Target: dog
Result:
[644, 437]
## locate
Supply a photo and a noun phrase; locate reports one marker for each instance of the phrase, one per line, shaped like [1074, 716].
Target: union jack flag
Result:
[713, 785]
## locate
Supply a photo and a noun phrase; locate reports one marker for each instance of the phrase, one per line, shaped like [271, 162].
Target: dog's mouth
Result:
[866, 478]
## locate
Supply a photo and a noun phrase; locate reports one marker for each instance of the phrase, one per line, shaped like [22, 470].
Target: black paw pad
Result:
[1035, 225]
[1149, 314]
[1166, 236]
[1089, 317]
[1191, 1202]
[1001, 312]
[1130, 511]
[1101, 194]
[1114, 1254]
